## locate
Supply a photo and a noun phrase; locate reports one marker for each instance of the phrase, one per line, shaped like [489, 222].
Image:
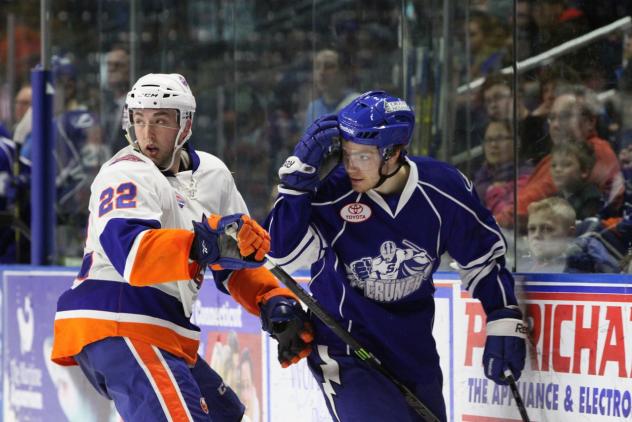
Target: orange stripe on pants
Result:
[168, 393]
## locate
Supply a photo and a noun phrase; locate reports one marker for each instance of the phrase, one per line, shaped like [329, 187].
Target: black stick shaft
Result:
[516, 394]
[360, 352]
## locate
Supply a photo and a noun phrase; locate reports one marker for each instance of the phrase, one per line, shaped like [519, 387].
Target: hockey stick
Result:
[359, 351]
[516, 394]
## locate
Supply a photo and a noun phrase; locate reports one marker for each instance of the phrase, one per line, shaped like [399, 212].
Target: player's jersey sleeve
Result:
[471, 236]
[295, 240]
[127, 216]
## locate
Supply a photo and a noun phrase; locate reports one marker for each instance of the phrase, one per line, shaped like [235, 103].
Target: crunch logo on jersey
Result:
[393, 274]
[356, 212]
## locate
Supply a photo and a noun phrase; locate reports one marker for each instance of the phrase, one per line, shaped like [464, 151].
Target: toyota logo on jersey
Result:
[355, 212]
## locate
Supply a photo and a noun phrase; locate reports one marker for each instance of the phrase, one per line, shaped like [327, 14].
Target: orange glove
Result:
[251, 237]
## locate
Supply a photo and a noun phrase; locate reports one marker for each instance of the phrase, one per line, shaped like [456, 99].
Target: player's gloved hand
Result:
[301, 170]
[286, 321]
[505, 344]
[362, 268]
[232, 242]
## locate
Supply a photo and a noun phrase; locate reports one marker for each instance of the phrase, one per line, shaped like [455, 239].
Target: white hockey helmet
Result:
[388, 249]
[160, 90]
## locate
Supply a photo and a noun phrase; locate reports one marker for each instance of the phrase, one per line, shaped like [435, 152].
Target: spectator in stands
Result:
[497, 92]
[487, 45]
[557, 21]
[571, 164]
[14, 204]
[22, 103]
[117, 85]
[330, 82]
[23, 120]
[625, 72]
[601, 248]
[550, 229]
[547, 79]
[494, 181]
[573, 118]
[525, 28]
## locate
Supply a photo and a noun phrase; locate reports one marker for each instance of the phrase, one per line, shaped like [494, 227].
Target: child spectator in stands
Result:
[550, 230]
[571, 165]
[494, 181]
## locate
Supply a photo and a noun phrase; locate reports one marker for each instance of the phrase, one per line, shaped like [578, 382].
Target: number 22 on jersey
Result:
[124, 196]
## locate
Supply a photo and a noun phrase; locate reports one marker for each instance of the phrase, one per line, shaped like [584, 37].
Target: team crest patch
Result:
[203, 405]
[128, 157]
[356, 212]
[394, 272]
[180, 200]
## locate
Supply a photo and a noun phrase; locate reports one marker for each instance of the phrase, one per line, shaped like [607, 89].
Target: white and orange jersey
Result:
[136, 279]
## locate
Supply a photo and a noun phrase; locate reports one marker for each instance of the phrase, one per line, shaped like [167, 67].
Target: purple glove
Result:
[505, 344]
[301, 170]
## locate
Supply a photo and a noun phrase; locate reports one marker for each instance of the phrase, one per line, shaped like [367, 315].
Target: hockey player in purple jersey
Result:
[373, 230]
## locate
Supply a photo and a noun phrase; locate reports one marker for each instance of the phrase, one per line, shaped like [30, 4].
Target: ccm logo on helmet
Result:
[355, 212]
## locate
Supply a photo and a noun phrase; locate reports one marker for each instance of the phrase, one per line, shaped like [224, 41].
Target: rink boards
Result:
[579, 364]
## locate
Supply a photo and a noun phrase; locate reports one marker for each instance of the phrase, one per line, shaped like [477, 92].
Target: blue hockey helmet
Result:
[377, 118]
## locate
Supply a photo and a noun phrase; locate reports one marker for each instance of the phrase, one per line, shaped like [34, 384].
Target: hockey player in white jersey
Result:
[374, 230]
[125, 321]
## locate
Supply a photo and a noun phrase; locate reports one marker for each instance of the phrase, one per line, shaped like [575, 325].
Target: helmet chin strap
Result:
[384, 177]
[176, 150]
[385, 156]
[176, 147]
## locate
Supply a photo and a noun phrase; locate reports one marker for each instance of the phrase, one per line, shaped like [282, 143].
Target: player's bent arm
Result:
[474, 240]
[160, 256]
[126, 212]
[295, 242]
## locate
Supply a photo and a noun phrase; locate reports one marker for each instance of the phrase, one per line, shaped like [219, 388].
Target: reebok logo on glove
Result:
[507, 327]
[522, 328]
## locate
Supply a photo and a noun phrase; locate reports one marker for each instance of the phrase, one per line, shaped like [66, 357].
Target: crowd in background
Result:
[264, 72]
